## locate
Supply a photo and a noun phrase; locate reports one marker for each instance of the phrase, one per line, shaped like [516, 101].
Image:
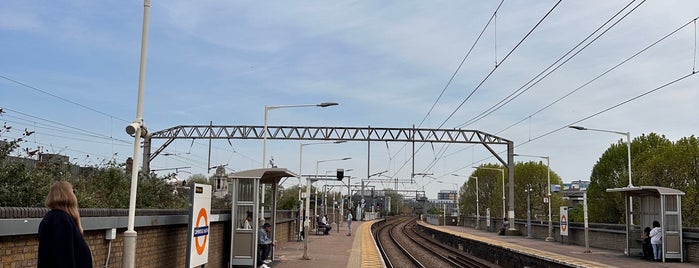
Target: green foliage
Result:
[289, 198]
[435, 211]
[396, 200]
[656, 161]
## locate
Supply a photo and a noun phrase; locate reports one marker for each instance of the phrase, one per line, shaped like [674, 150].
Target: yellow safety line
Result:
[370, 252]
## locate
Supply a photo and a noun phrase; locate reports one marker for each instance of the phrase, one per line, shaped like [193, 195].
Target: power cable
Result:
[548, 70]
[59, 97]
[489, 74]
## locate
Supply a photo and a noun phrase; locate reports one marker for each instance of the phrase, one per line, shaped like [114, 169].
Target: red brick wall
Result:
[158, 246]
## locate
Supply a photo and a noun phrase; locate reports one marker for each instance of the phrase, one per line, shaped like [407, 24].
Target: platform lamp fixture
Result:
[307, 206]
[308, 191]
[549, 238]
[628, 152]
[628, 144]
[478, 213]
[265, 133]
[502, 173]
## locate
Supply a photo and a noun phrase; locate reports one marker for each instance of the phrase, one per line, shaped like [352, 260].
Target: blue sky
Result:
[69, 71]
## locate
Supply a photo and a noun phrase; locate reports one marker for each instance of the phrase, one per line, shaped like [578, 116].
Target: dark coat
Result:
[60, 242]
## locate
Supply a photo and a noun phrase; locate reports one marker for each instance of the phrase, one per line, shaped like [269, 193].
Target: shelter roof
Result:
[266, 175]
[647, 190]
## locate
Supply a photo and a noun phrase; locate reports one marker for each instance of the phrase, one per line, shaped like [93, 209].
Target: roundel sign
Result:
[201, 231]
[564, 221]
[198, 236]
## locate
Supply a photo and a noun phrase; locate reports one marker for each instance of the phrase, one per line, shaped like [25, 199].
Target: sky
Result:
[520, 70]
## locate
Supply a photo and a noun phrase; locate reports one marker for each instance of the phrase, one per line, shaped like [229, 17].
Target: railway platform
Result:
[359, 250]
[572, 255]
[334, 250]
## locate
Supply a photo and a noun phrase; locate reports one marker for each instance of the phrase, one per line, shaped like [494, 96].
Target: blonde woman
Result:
[61, 242]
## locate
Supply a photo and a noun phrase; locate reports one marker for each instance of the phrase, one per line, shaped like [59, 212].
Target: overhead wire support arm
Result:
[324, 133]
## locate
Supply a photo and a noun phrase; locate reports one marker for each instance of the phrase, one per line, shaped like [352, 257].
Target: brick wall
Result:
[158, 246]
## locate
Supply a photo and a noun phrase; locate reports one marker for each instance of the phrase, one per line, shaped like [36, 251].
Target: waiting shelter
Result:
[645, 204]
[245, 196]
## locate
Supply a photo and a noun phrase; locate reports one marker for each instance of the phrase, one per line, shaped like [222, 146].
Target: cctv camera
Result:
[131, 128]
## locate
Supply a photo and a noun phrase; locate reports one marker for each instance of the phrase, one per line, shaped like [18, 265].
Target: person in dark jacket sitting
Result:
[61, 241]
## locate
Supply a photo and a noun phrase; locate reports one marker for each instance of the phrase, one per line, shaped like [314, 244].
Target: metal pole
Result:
[502, 171]
[264, 160]
[307, 206]
[587, 237]
[548, 177]
[511, 181]
[129, 257]
[529, 213]
[478, 214]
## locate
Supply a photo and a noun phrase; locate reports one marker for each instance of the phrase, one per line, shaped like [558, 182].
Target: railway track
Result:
[402, 244]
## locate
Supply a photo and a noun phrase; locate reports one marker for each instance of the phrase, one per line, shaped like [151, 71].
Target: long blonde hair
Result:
[62, 197]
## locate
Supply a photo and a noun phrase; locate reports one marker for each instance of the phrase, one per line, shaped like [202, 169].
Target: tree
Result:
[396, 200]
[289, 198]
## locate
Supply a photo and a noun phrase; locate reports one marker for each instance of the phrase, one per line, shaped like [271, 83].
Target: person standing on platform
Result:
[656, 240]
[647, 247]
[349, 222]
[264, 245]
[61, 241]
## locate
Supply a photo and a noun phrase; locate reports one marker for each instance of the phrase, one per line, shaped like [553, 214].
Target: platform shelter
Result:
[245, 195]
[645, 204]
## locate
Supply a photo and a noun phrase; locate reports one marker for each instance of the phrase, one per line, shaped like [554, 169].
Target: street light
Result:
[549, 238]
[529, 212]
[502, 171]
[478, 213]
[628, 144]
[628, 151]
[315, 208]
[308, 192]
[264, 141]
[456, 186]
[264, 129]
[136, 128]
[307, 207]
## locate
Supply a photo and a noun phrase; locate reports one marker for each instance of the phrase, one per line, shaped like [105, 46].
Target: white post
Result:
[478, 213]
[129, 257]
[548, 177]
[587, 238]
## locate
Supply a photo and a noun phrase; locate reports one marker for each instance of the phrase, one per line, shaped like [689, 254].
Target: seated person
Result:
[264, 245]
[324, 222]
[320, 225]
[505, 226]
[247, 223]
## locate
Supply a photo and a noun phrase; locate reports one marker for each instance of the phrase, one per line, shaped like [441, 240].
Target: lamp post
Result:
[529, 212]
[628, 144]
[628, 152]
[307, 207]
[478, 213]
[315, 208]
[264, 141]
[308, 192]
[502, 171]
[549, 238]
[264, 129]
[136, 129]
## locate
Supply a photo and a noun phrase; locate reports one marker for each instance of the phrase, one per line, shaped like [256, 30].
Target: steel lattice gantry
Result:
[333, 134]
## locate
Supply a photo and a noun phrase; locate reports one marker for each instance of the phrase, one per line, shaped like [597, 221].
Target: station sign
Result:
[564, 221]
[198, 234]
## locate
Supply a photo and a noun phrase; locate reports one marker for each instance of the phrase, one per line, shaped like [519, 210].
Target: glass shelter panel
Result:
[246, 188]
